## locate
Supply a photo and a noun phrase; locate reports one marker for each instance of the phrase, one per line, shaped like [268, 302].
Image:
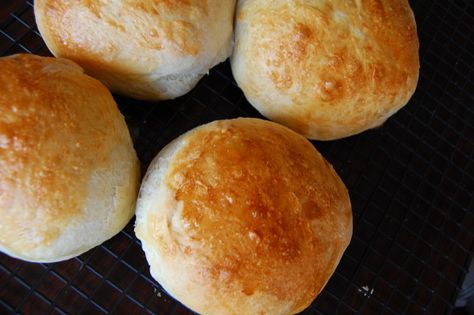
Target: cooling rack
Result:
[411, 183]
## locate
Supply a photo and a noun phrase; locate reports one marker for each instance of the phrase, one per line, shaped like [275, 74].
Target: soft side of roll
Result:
[68, 172]
[151, 49]
[243, 217]
[326, 69]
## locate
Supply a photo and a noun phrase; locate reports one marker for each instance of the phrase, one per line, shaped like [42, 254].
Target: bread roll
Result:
[68, 171]
[326, 69]
[149, 49]
[243, 217]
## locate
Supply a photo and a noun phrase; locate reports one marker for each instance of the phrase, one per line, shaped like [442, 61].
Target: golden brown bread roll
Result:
[68, 171]
[243, 217]
[326, 69]
[147, 49]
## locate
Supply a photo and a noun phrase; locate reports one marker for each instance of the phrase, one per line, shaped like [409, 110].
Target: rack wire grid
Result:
[411, 183]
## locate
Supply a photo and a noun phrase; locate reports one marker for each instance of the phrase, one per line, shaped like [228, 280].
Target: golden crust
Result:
[256, 219]
[327, 69]
[58, 129]
[131, 45]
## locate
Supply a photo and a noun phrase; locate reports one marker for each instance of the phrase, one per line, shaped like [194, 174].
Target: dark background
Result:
[411, 184]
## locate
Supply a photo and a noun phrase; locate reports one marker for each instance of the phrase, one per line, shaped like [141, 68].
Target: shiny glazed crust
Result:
[326, 69]
[152, 49]
[243, 216]
[68, 171]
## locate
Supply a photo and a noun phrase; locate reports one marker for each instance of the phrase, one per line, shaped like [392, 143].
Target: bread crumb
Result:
[366, 291]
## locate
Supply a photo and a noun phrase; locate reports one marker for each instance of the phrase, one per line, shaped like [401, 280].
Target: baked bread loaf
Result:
[149, 49]
[68, 171]
[326, 69]
[243, 217]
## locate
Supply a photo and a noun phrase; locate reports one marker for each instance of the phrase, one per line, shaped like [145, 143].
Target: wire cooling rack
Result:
[411, 184]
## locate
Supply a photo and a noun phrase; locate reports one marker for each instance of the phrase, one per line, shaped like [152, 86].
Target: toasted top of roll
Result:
[326, 69]
[151, 49]
[243, 216]
[68, 171]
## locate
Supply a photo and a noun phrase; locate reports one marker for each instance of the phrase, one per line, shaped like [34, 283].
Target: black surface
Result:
[411, 184]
